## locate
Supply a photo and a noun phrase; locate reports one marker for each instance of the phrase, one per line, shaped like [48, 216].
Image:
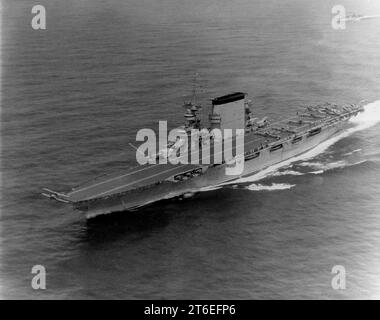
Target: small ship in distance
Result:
[353, 17]
[265, 144]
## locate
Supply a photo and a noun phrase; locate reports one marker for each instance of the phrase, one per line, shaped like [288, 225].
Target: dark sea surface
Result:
[74, 96]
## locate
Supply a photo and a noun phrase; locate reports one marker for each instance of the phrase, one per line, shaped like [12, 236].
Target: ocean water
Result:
[74, 95]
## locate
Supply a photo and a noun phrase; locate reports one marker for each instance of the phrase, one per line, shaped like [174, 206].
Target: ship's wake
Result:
[363, 121]
[320, 167]
[272, 187]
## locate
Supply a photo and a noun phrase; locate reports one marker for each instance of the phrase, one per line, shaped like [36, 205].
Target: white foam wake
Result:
[211, 188]
[273, 187]
[321, 167]
[352, 152]
[287, 173]
[368, 118]
[317, 172]
[325, 166]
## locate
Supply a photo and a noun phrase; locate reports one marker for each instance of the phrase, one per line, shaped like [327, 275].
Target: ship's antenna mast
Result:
[195, 88]
[192, 120]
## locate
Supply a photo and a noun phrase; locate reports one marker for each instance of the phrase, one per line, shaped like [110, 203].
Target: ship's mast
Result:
[191, 116]
[194, 89]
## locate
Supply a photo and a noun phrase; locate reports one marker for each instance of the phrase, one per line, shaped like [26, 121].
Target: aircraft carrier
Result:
[265, 143]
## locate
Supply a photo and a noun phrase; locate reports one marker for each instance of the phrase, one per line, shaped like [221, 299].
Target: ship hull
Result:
[214, 175]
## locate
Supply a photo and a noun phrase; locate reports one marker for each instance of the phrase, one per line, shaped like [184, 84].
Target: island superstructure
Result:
[265, 144]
